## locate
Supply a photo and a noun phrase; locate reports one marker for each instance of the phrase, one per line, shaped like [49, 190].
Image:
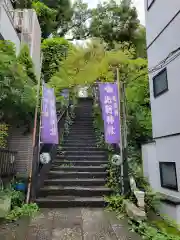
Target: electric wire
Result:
[171, 57]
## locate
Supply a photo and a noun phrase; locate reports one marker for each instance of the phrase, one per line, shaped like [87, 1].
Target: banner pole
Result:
[121, 128]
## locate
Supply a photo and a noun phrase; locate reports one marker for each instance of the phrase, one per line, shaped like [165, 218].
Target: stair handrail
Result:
[39, 170]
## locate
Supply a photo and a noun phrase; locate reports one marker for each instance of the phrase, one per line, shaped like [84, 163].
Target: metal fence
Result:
[7, 163]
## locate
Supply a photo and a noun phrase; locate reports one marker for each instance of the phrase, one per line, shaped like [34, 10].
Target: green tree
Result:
[54, 51]
[25, 60]
[84, 65]
[62, 15]
[46, 17]
[17, 89]
[78, 27]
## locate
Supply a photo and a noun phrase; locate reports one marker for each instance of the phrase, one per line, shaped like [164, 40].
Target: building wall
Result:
[151, 165]
[6, 27]
[165, 113]
[22, 143]
[36, 44]
[158, 16]
[164, 150]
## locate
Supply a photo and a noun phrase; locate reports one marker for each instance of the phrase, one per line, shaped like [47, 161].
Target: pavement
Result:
[69, 224]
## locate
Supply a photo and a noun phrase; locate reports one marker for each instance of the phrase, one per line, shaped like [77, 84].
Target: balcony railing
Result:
[7, 163]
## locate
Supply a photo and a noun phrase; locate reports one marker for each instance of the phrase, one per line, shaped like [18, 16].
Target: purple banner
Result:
[110, 111]
[65, 93]
[49, 130]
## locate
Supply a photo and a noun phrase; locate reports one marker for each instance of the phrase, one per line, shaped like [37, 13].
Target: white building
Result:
[161, 157]
[21, 26]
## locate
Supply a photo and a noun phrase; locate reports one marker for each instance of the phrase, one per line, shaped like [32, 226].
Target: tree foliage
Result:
[114, 22]
[84, 65]
[54, 51]
[25, 60]
[58, 13]
[46, 17]
[110, 21]
[17, 98]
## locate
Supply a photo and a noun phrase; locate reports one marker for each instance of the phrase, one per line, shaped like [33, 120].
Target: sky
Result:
[138, 3]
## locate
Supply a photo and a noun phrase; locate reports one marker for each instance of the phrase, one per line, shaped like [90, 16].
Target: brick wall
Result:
[22, 143]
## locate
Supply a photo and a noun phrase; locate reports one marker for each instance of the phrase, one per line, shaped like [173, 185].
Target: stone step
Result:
[71, 201]
[81, 157]
[82, 127]
[80, 124]
[82, 137]
[86, 152]
[83, 148]
[62, 174]
[80, 168]
[78, 140]
[79, 145]
[82, 133]
[76, 182]
[77, 191]
[79, 163]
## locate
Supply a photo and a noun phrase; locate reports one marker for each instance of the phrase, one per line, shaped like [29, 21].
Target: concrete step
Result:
[80, 168]
[77, 191]
[79, 145]
[76, 182]
[79, 163]
[71, 201]
[81, 157]
[62, 174]
[78, 137]
[82, 148]
[85, 152]
[79, 140]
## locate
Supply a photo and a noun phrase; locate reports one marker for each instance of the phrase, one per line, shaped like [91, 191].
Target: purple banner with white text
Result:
[110, 111]
[49, 130]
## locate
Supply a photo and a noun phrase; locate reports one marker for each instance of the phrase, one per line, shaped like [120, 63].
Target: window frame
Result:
[154, 78]
[150, 5]
[170, 187]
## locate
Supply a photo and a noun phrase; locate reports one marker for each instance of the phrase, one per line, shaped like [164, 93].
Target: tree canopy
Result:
[54, 51]
[18, 96]
[84, 65]
[110, 21]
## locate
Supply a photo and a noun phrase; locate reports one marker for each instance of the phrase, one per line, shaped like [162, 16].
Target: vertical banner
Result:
[49, 130]
[65, 93]
[110, 111]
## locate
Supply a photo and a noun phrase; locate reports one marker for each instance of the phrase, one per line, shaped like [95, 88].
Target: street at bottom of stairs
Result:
[70, 224]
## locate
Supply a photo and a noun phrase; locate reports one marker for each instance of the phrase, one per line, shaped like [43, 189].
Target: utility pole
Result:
[123, 134]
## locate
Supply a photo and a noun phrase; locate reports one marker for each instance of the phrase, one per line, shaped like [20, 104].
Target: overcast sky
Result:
[138, 3]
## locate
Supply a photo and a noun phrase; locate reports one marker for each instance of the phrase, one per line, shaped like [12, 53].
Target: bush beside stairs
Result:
[77, 177]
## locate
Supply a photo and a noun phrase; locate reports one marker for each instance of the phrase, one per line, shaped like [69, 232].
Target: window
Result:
[160, 83]
[150, 3]
[168, 175]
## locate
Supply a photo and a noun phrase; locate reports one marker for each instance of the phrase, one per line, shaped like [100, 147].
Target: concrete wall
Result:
[36, 44]
[165, 113]
[158, 16]
[6, 27]
[151, 165]
[22, 143]
[163, 150]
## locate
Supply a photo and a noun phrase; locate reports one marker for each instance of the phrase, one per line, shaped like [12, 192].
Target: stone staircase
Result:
[77, 177]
